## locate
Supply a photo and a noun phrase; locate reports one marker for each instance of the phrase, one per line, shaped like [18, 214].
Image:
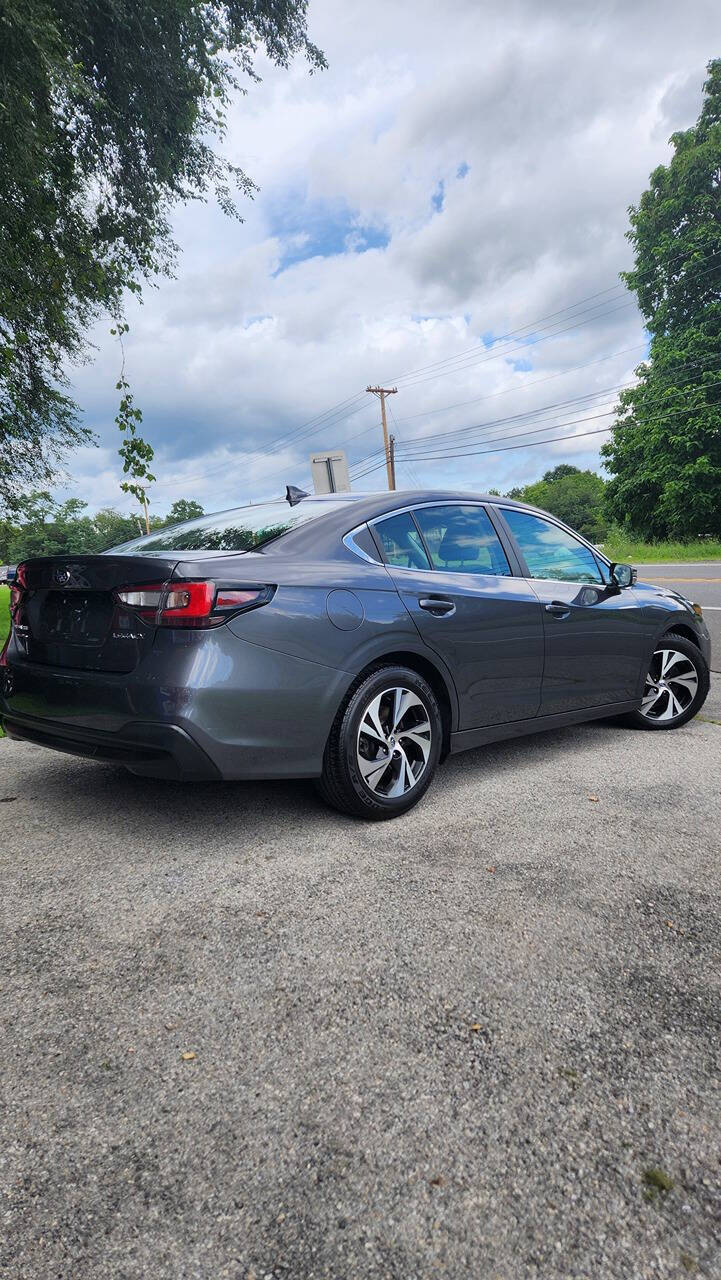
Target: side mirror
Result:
[623, 575]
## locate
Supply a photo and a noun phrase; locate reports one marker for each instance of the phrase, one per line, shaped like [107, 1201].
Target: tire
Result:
[676, 686]
[370, 770]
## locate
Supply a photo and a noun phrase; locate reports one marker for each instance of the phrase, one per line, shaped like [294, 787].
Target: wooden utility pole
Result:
[147, 515]
[392, 458]
[382, 392]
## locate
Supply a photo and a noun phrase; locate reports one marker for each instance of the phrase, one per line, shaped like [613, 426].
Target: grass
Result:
[619, 546]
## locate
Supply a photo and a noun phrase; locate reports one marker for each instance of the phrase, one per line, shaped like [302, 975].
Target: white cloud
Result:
[553, 114]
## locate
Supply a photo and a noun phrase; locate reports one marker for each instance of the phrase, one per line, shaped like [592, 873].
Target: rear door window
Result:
[461, 539]
[550, 552]
[401, 542]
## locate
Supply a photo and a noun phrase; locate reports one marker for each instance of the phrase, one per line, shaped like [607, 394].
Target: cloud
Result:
[450, 180]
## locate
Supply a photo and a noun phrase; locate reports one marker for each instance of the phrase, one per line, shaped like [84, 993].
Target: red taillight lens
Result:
[17, 591]
[190, 604]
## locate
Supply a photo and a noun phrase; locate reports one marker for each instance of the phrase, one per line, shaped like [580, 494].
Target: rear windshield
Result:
[241, 529]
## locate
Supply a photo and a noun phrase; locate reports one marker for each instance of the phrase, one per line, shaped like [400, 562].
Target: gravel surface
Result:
[244, 1036]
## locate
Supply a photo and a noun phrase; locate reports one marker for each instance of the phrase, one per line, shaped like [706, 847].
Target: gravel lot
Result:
[453, 1045]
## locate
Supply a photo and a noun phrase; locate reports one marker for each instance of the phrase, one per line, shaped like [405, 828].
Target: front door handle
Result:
[559, 610]
[438, 606]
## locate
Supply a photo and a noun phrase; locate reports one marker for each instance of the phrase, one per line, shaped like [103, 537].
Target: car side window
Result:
[461, 539]
[550, 552]
[402, 546]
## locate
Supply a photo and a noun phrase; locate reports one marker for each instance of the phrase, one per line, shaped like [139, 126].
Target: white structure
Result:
[330, 472]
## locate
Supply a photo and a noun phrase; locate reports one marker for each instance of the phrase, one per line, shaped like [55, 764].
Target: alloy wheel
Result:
[671, 685]
[394, 742]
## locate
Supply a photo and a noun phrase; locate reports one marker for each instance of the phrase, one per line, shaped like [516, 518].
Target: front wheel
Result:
[676, 687]
[384, 747]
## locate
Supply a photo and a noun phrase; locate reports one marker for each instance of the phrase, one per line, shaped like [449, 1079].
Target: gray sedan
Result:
[355, 639]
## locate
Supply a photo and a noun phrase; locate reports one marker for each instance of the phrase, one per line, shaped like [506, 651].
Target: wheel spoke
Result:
[671, 709]
[669, 658]
[689, 682]
[373, 770]
[651, 699]
[421, 735]
[405, 779]
[371, 723]
[402, 703]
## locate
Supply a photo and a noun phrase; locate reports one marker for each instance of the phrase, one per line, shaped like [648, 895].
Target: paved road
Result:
[699, 582]
[452, 1045]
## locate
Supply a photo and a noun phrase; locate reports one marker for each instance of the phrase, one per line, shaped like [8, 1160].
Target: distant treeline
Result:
[44, 527]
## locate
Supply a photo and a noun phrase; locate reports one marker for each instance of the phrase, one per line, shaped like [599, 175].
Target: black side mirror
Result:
[623, 575]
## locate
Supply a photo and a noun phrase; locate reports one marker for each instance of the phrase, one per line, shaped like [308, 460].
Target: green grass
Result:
[618, 546]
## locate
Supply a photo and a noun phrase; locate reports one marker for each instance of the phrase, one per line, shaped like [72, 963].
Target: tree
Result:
[665, 453]
[576, 497]
[44, 527]
[184, 509]
[109, 110]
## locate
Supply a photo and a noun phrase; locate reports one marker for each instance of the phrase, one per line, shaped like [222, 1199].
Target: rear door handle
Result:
[438, 605]
[558, 609]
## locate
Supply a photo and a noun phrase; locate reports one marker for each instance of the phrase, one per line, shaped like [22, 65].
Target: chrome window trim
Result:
[446, 502]
[350, 542]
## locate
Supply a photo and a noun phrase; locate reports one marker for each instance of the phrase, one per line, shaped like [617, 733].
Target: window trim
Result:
[597, 556]
[350, 542]
[507, 544]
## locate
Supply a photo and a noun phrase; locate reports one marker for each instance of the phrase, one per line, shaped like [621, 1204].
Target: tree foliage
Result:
[184, 509]
[44, 527]
[576, 497]
[665, 454]
[109, 114]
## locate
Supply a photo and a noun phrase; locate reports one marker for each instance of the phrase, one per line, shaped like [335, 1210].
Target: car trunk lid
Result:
[69, 616]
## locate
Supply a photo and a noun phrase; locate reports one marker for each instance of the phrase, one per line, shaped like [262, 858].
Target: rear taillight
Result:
[191, 604]
[17, 593]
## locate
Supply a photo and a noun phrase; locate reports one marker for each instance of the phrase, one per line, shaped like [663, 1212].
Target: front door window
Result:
[551, 552]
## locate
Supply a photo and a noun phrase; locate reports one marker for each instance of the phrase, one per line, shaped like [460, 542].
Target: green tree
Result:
[576, 497]
[665, 453]
[184, 509]
[109, 113]
[44, 527]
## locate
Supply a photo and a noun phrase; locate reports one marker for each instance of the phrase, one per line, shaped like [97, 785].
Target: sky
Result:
[443, 210]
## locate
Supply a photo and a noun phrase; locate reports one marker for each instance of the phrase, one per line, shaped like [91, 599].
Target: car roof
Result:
[369, 505]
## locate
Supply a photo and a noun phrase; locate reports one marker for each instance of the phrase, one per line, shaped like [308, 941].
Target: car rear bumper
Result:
[199, 706]
[153, 750]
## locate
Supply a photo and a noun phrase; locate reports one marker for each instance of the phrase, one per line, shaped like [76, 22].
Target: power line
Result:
[459, 362]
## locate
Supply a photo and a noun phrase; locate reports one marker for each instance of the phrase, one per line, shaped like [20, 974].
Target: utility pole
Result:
[382, 392]
[392, 458]
[147, 516]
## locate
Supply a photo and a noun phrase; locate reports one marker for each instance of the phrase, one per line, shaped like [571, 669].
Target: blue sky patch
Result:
[462, 169]
[320, 229]
[438, 196]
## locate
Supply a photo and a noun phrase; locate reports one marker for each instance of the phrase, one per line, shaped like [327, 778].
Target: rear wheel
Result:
[676, 685]
[383, 749]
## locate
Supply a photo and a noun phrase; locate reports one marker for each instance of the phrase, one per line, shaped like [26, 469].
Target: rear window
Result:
[241, 529]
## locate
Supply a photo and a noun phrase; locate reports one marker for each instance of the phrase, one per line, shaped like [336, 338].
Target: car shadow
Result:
[101, 789]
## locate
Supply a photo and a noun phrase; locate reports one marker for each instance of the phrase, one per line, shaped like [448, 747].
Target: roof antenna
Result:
[293, 495]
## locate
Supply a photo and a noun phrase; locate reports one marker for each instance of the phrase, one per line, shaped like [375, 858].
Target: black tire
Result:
[694, 656]
[342, 785]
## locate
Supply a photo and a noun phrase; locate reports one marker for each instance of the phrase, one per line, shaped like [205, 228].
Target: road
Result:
[243, 1036]
[699, 582]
